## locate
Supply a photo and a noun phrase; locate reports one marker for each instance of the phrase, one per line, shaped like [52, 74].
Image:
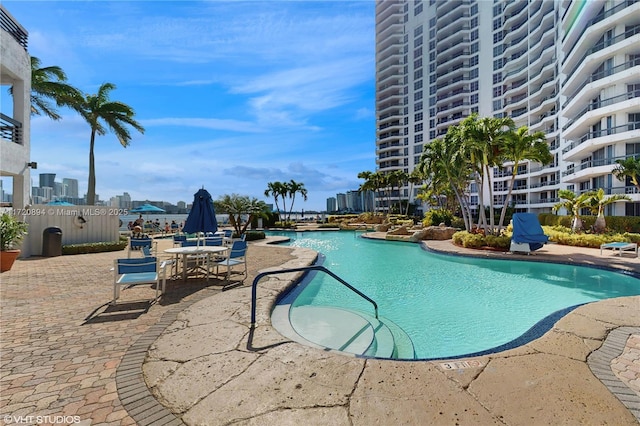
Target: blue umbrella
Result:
[202, 217]
[59, 203]
[147, 208]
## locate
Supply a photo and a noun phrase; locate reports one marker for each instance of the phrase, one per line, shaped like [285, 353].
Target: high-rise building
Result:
[47, 180]
[332, 204]
[70, 187]
[568, 69]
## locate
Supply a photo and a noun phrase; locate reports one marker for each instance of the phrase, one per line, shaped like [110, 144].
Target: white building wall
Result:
[15, 72]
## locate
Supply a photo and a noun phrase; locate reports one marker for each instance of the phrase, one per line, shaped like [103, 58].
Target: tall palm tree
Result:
[415, 178]
[518, 147]
[573, 204]
[629, 167]
[372, 182]
[96, 109]
[49, 84]
[598, 202]
[277, 190]
[447, 170]
[294, 188]
[483, 140]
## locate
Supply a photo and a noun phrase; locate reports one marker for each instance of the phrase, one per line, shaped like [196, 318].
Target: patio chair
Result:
[527, 235]
[137, 271]
[213, 241]
[237, 257]
[178, 239]
[138, 244]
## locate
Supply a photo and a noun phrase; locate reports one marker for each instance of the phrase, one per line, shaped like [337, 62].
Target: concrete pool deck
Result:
[196, 354]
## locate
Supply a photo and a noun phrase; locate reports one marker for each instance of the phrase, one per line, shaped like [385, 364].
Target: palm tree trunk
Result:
[91, 184]
[492, 219]
[293, 199]
[503, 213]
[482, 217]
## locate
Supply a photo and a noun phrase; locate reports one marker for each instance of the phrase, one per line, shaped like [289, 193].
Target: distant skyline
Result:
[232, 94]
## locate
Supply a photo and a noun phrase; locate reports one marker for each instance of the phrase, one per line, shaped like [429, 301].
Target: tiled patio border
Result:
[599, 362]
[133, 392]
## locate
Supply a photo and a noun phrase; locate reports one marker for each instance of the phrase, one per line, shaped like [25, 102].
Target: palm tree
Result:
[277, 190]
[573, 204]
[96, 109]
[629, 167]
[415, 178]
[447, 170]
[237, 206]
[372, 182]
[293, 188]
[483, 140]
[48, 84]
[598, 202]
[520, 146]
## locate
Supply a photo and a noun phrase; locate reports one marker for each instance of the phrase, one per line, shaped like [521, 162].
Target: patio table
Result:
[620, 246]
[185, 252]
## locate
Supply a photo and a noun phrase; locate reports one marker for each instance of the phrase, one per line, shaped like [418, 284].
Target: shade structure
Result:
[147, 208]
[202, 217]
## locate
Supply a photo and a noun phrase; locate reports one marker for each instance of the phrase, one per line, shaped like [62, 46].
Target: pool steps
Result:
[345, 330]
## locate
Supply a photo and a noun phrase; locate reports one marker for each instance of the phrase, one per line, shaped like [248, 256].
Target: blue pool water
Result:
[450, 305]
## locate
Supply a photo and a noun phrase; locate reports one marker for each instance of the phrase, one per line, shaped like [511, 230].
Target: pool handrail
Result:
[254, 286]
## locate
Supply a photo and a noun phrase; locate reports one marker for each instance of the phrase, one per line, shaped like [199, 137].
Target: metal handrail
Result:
[254, 286]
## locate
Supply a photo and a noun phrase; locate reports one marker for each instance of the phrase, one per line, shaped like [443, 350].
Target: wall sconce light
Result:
[32, 165]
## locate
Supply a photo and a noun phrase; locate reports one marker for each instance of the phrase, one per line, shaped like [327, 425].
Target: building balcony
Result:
[590, 140]
[13, 28]
[10, 129]
[590, 35]
[586, 84]
[619, 101]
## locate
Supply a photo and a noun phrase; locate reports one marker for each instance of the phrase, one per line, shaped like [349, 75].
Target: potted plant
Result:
[12, 231]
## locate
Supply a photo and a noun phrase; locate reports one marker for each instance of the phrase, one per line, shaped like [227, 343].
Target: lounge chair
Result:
[527, 233]
[137, 271]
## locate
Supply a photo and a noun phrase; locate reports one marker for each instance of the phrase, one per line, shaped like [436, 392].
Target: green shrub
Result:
[502, 242]
[254, 235]
[285, 225]
[95, 247]
[437, 216]
[469, 240]
[457, 222]
[614, 223]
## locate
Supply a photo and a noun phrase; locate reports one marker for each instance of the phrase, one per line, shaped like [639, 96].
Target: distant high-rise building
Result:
[70, 187]
[47, 180]
[568, 69]
[341, 200]
[332, 205]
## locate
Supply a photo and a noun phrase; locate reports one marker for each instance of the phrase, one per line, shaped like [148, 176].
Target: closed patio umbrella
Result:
[202, 217]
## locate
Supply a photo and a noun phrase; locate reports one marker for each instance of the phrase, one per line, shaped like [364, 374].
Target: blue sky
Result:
[232, 94]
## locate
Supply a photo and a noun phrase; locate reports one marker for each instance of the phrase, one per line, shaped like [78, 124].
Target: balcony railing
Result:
[8, 24]
[604, 132]
[602, 16]
[604, 73]
[603, 103]
[10, 129]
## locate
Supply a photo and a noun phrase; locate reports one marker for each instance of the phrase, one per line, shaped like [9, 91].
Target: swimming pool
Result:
[450, 306]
